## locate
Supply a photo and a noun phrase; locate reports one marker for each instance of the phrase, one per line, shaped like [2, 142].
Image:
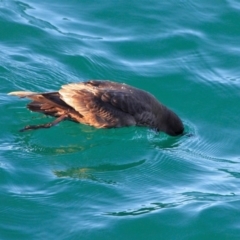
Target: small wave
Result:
[142, 210]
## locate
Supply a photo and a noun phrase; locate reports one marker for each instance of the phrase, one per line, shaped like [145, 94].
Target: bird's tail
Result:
[22, 94]
[46, 103]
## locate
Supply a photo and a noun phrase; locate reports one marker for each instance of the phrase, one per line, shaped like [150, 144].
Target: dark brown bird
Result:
[103, 104]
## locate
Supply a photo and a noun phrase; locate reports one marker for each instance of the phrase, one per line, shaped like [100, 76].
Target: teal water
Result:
[77, 182]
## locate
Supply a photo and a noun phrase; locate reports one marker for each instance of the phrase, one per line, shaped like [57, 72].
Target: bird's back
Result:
[111, 104]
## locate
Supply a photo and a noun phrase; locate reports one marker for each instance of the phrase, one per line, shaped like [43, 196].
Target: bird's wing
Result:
[108, 103]
[95, 111]
[84, 98]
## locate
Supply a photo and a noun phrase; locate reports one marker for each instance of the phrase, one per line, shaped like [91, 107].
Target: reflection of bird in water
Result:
[103, 104]
[92, 172]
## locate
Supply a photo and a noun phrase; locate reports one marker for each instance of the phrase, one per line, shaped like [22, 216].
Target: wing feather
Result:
[110, 104]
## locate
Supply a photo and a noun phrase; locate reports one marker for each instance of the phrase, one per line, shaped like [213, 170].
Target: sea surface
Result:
[77, 182]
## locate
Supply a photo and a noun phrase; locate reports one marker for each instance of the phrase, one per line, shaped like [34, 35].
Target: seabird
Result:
[103, 104]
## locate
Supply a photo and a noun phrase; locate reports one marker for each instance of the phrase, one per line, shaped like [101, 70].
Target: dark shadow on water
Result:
[208, 197]
[143, 210]
[82, 174]
[90, 173]
[54, 150]
[188, 197]
[232, 173]
[25, 143]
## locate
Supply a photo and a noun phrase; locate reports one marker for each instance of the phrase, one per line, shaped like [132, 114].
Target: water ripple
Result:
[143, 210]
[78, 181]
